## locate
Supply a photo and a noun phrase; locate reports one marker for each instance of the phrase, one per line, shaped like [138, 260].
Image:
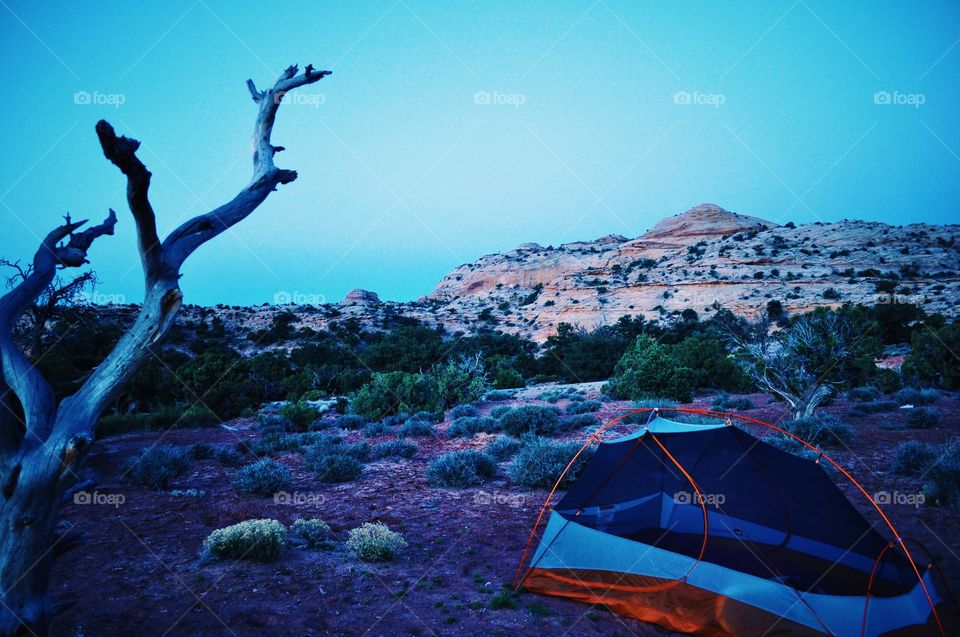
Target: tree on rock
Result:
[42, 452]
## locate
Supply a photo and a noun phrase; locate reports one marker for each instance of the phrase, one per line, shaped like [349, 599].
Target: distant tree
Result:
[41, 454]
[649, 369]
[806, 363]
[933, 357]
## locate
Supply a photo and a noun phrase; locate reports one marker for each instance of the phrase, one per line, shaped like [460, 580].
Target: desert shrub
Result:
[941, 485]
[824, 430]
[376, 428]
[923, 417]
[579, 421]
[395, 420]
[461, 469]
[300, 415]
[914, 396]
[540, 462]
[156, 466]
[648, 369]
[336, 467]
[931, 360]
[913, 457]
[118, 423]
[863, 394]
[229, 457]
[351, 421]
[711, 364]
[200, 451]
[460, 411]
[887, 380]
[498, 411]
[313, 533]
[498, 395]
[583, 407]
[502, 447]
[460, 381]
[272, 442]
[416, 428]
[257, 540]
[504, 599]
[872, 407]
[469, 425]
[396, 392]
[507, 378]
[725, 402]
[263, 477]
[530, 419]
[375, 542]
[652, 402]
[395, 448]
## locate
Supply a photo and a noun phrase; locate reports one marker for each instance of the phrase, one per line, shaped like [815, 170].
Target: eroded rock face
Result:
[704, 259]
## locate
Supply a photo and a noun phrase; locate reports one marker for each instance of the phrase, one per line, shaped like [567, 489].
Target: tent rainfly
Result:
[705, 529]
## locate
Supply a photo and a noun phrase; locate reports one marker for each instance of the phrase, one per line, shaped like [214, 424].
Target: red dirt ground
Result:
[139, 571]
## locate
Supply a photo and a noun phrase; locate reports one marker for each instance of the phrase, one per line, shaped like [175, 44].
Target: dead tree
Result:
[805, 363]
[60, 293]
[40, 456]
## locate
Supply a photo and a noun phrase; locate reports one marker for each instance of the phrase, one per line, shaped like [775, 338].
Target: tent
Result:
[708, 530]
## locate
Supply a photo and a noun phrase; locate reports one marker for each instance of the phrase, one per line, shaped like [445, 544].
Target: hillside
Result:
[705, 259]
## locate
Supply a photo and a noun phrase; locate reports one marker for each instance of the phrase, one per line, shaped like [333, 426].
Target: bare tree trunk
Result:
[40, 457]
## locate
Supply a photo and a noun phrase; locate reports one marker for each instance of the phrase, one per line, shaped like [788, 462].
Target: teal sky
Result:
[405, 172]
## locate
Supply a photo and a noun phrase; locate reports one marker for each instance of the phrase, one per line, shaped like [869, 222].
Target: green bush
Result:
[863, 394]
[391, 393]
[647, 369]
[257, 540]
[326, 445]
[156, 466]
[376, 428]
[228, 457]
[942, 483]
[200, 451]
[583, 407]
[530, 419]
[726, 402]
[459, 382]
[507, 378]
[300, 415]
[502, 447]
[264, 477]
[824, 430]
[498, 395]
[313, 533]
[336, 467]
[470, 425]
[540, 462]
[913, 396]
[461, 411]
[416, 428]
[498, 411]
[924, 417]
[711, 364]
[395, 448]
[572, 423]
[375, 542]
[351, 421]
[504, 599]
[913, 458]
[932, 360]
[461, 469]
[872, 407]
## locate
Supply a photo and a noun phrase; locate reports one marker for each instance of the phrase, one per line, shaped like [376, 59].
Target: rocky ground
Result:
[139, 568]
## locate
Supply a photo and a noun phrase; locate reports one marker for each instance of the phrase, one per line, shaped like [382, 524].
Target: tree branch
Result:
[266, 176]
[122, 153]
